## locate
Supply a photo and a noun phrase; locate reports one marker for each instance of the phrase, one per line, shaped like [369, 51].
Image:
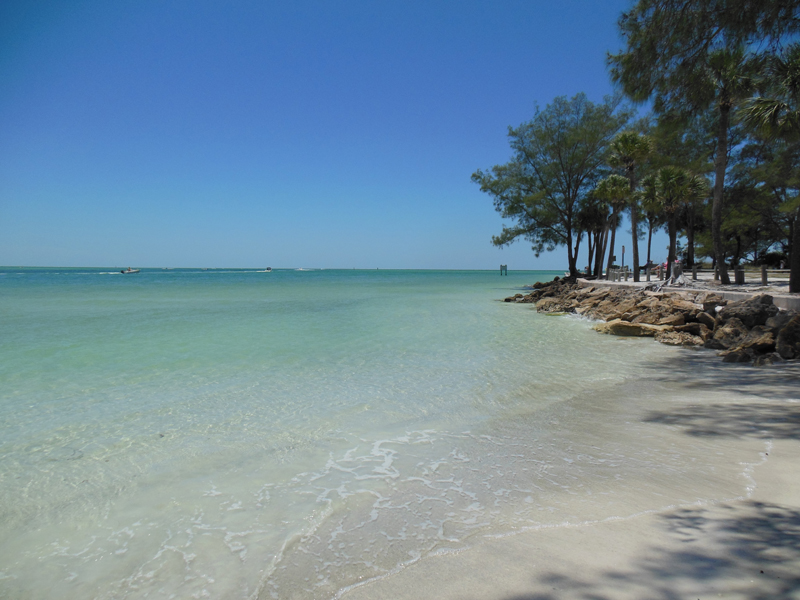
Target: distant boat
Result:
[129, 270]
[267, 270]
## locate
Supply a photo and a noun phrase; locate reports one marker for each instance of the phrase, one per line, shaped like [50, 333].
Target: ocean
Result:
[224, 433]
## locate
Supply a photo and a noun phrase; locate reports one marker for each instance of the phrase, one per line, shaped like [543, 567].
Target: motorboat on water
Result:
[267, 270]
[129, 270]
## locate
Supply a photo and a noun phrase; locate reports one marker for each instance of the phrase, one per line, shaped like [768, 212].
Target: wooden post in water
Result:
[647, 272]
[504, 270]
[694, 272]
[764, 279]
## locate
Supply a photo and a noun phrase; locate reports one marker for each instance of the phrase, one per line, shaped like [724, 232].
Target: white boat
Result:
[129, 270]
[267, 270]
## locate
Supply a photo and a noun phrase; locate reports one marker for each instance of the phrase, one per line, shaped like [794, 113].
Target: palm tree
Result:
[777, 115]
[628, 150]
[615, 190]
[729, 79]
[593, 219]
[648, 197]
[675, 188]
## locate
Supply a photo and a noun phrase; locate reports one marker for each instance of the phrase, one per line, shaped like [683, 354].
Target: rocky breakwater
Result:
[753, 330]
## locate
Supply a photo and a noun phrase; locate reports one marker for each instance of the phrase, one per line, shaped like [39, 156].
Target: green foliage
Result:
[615, 190]
[676, 187]
[558, 157]
[670, 43]
[777, 113]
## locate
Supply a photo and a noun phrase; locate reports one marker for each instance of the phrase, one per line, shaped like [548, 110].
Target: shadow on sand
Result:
[754, 553]
[747, 549]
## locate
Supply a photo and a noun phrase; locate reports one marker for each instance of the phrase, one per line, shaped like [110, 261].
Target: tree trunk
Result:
[613, 236]
[570, 255]
[720, 164]
[600, 252]
[589, 240]
[794, 255]
[690, 239]
[634, 224]
[673, 243]
[574, 271]
[649, 238]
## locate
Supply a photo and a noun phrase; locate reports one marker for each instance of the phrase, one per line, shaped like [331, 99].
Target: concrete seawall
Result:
[782, 301]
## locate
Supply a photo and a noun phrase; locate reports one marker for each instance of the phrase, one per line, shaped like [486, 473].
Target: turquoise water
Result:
[238, 434]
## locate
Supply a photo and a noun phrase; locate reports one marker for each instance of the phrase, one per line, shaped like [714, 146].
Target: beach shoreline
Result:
[743, 547]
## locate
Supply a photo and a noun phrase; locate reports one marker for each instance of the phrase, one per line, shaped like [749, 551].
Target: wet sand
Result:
[746, 547]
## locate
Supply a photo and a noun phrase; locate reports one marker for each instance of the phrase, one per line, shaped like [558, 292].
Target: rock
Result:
[685, 306]
[728, 335]
[549, 304]
[759, 339]
[649, 318]
[676, 319]
[788, 342]
[711, 301]
[696, 329]
[767, 359]
[737, 356]
[648, 303]
[777, 322]
[678, 338]
[602, 292]
[618, 327]
[751, 312]
[706, 319]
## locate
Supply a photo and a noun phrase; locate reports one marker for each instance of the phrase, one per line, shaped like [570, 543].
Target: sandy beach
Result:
[746, 546]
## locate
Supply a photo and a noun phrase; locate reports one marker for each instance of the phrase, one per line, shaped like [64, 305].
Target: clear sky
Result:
[254, 133]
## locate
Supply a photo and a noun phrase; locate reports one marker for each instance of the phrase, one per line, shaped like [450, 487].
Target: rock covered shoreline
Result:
[753, 330]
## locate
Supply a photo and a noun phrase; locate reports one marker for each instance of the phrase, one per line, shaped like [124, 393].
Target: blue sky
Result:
[318, 134]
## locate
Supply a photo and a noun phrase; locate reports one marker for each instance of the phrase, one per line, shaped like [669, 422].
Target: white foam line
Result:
[750, 488]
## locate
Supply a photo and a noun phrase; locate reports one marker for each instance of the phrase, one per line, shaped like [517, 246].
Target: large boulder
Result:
[697, 330]
[766, 360]
[777, 322]
[727, 335]
[678, 338]
[788, 342]
[711, 301]
[619, 327]
[707, 320]
[751, 312]
[689, 310]
[759, 339]
[673, 319]
[737, 356]
[651, 318]
[552, 304]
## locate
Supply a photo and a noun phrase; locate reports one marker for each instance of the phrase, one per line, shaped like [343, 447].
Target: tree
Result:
[674, 188]
[593, 219]
[687, 54]
[777, 115]
[615, 191]
[628, 150]
[648, 198]
[558, 157]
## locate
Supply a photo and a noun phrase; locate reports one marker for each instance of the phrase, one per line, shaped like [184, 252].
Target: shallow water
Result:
[232, 434]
